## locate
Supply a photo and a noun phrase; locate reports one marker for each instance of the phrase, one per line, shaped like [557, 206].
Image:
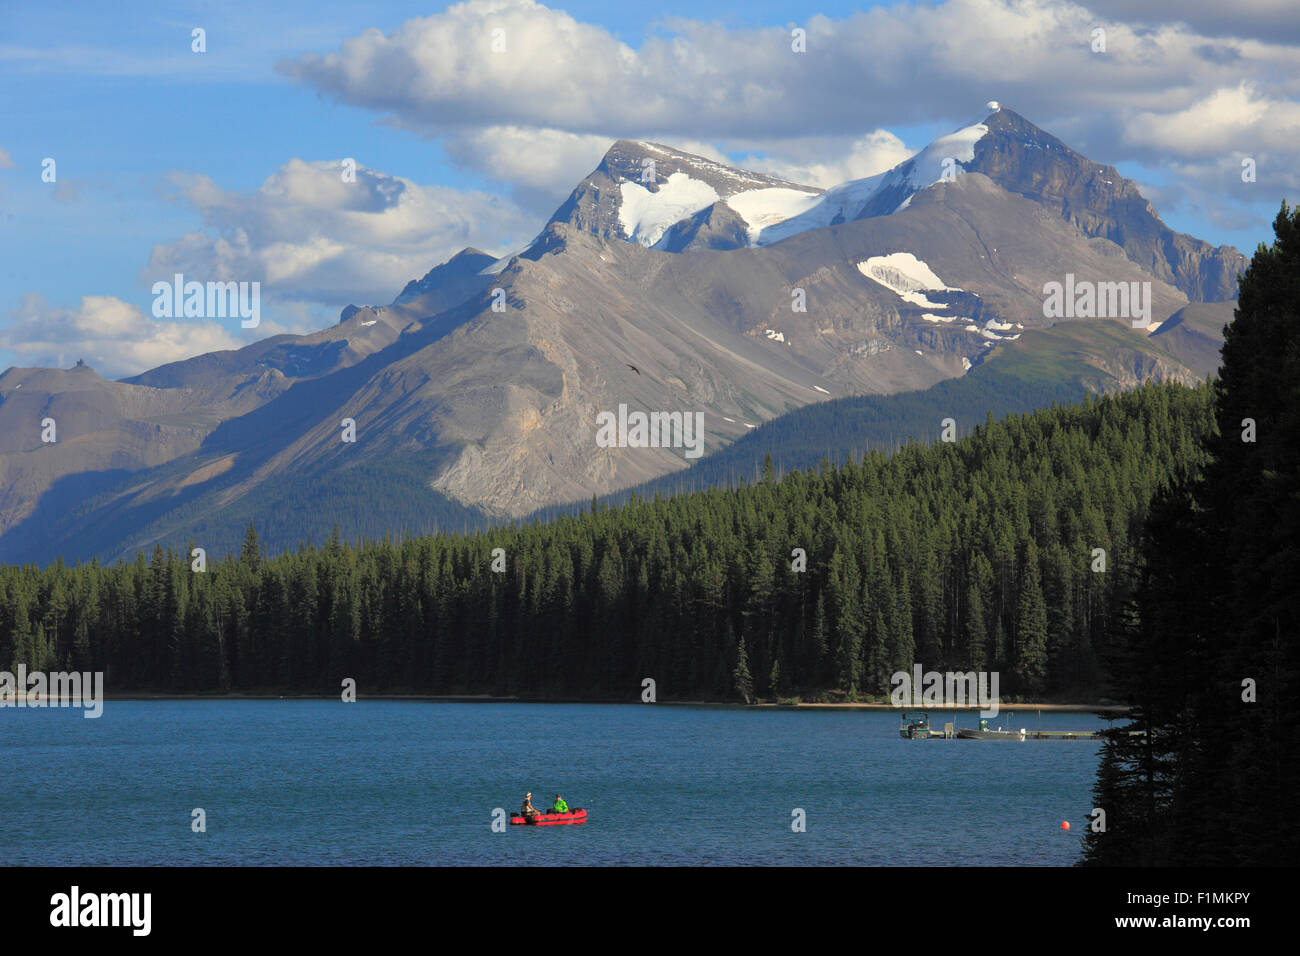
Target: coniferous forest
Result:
[1012, 549]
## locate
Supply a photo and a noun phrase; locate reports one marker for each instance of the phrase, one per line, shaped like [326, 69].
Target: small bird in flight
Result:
[633, 368]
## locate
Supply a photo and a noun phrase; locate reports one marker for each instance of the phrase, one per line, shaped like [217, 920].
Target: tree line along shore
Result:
[1012, 550]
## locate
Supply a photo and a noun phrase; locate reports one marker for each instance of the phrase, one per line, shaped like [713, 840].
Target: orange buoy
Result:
[1065, 824]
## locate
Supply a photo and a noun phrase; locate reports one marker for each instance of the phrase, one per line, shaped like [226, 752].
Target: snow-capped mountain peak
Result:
[641, 191]
[944, 158]
[946, 153]
[673, 201]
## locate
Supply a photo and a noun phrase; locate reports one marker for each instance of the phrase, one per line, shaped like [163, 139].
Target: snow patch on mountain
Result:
[728, 180]
[848, 200]
[838, 204]
[496, 268]
[927, 167]
[645, 216]
[906, 276]
[763, 208]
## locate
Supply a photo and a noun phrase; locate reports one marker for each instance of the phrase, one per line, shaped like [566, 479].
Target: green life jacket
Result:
[561, 806]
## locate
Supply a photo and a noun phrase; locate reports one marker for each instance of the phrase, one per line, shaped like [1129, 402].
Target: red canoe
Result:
[551, 819]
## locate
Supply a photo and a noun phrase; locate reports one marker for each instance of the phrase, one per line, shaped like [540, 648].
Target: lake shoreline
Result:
[1003, 707]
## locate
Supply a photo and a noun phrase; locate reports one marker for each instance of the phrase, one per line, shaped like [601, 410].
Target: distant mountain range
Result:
[666, 283]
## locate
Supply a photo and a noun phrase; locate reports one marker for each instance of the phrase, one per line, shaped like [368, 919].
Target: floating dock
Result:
[916, 726]
[985, 732]
[965, 734]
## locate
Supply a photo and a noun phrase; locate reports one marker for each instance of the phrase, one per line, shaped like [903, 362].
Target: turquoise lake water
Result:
[307, 782]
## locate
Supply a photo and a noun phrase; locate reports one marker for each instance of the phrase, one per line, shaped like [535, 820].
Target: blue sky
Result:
[164, 155]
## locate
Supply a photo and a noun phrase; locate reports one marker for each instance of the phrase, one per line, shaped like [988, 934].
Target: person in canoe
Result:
[528, 810]
[560, 805]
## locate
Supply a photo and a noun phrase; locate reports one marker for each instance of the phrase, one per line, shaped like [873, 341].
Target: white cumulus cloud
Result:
[1236, 117]
[535, 115]
[309, 236]
[115, 337]
[884, 66]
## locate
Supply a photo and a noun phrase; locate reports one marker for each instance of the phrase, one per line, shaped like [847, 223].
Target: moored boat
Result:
[966, 733]
[914, 726]
[984, 733]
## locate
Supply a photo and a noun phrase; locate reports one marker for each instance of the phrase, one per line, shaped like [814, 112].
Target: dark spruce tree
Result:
[1204, 773]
